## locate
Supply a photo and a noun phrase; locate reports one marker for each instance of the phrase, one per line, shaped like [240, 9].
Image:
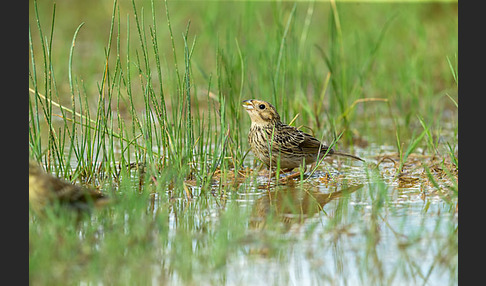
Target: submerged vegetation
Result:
[143, 101]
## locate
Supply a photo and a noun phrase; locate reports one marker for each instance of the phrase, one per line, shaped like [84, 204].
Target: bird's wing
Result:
[289, 140]
[312, 145]
[292, 140]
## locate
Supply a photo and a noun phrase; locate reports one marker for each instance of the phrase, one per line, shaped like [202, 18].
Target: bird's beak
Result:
[248, 104]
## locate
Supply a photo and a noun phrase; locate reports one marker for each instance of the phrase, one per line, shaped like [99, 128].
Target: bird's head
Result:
[261, 112]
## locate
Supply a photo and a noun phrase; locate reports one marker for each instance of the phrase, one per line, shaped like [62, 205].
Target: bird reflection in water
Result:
[293, 205]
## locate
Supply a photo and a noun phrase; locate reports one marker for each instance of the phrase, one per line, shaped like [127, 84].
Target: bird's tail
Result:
[348, 155]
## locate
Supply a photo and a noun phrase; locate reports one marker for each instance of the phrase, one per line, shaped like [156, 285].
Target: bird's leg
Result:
[263, 170]
[292, 176]
[313, 165]
[282, 171]
[289, 177]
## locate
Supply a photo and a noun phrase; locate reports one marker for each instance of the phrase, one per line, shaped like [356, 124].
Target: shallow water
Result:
[348, 224]
[333, 231]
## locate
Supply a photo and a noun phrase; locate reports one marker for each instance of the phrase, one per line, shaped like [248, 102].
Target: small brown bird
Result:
[289, 144]
[45, 189]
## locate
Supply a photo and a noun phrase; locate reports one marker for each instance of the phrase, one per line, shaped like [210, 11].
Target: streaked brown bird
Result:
[271, 140]
[46, 189]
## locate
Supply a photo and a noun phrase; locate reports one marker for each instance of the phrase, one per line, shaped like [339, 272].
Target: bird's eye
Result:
[261, 106]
